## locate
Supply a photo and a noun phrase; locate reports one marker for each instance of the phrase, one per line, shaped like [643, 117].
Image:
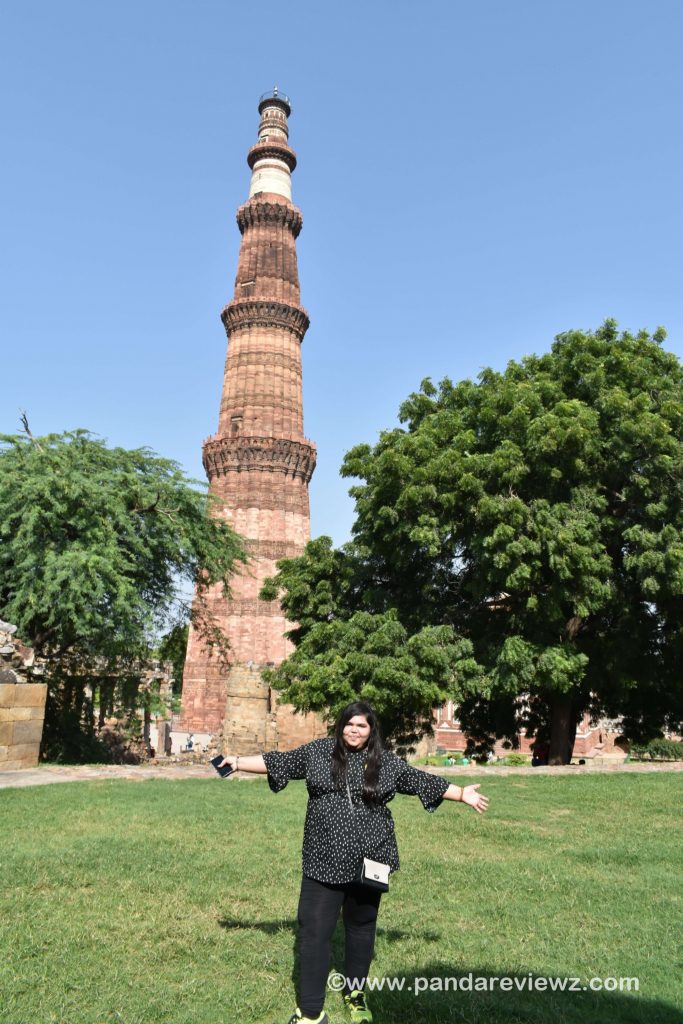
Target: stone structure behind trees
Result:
[22, 702]
[595, 741]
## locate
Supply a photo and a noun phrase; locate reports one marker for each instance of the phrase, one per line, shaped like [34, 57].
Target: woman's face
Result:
[356, 732]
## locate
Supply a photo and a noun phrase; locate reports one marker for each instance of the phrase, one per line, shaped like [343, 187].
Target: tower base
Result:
[254, 721]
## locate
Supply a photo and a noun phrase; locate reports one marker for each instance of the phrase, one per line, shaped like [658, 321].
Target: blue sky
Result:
[474, 178]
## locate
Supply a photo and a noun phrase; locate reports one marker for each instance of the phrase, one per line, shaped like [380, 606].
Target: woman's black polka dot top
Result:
[335, 837]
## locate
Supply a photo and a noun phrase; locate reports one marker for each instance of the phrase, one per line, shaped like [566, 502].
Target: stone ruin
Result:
[22, 702]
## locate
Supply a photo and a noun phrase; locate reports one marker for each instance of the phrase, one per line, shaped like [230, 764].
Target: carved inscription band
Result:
[273, 549]
[250, 357]
[251, 606]
[291, 496]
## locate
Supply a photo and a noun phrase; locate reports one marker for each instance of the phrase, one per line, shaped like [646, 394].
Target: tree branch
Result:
[170, 512]
[27, 430]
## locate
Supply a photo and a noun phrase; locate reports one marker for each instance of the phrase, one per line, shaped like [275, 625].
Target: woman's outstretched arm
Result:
[251, 763]
[468, 795]
[432, 789]
[279, 765]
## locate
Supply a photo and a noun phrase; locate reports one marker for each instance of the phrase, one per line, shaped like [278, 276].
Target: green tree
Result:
[99, 548]
[527, 528]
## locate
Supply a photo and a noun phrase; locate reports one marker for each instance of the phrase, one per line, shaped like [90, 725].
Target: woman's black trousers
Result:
[319, 906]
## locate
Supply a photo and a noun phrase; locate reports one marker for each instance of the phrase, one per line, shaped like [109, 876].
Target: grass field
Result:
[174, 902]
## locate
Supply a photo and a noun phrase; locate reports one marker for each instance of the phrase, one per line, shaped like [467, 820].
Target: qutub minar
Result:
[259, 463]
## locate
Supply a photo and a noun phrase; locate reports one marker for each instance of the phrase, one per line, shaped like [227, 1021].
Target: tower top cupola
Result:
[275, 98]
[271, 159]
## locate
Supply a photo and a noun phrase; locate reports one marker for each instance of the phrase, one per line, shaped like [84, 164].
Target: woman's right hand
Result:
[230, 759]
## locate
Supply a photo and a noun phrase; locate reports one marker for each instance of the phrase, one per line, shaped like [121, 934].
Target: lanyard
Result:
[348, 788]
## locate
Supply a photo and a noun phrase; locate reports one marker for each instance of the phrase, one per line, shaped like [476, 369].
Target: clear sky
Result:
[474, 178]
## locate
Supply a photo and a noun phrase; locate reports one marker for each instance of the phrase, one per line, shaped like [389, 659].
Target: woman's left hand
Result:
[476, 800]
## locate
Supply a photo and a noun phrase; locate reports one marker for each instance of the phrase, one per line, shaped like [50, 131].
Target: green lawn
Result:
[174, 902]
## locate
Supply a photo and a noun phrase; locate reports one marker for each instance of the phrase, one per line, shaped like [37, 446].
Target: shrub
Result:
[658, 750]
[516, 759]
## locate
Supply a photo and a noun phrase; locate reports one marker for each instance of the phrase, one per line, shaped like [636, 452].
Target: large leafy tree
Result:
[99, 550]
[518, 545]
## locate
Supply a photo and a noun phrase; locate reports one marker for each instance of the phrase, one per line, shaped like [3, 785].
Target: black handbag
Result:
[372, 873]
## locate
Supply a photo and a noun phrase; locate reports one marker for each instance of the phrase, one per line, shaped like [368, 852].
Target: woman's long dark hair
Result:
[373, 748]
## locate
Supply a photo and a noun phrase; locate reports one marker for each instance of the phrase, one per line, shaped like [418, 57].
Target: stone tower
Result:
[259, 463]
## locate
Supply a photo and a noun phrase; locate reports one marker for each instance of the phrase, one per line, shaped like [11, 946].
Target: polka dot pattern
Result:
[334, 843]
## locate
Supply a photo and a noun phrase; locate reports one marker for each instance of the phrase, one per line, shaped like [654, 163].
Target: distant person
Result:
[541, 755]
[350, 779]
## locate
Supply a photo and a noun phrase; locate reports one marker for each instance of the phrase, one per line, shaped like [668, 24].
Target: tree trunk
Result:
[102, 712]
[147, 722]
[562, 729]
[572, 737]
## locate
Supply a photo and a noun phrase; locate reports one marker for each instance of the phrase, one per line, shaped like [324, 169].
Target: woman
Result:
[341, 828]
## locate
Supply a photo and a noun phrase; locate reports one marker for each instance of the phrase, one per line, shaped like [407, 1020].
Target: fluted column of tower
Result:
[259, 463]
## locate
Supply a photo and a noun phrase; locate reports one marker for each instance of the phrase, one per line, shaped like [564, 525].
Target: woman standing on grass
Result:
[343, 826]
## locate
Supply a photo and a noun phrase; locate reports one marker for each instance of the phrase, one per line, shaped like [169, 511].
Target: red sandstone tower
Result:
[259, 463]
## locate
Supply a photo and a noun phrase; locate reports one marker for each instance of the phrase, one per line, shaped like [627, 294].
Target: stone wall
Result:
[254, 720]
[22, 703]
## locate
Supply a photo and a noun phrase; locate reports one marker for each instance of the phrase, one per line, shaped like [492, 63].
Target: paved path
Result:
[48, 773]
[52, 773]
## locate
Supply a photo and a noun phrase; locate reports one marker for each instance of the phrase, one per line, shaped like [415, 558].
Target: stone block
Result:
[27, 732]
[19, 714]
[246, 682]
[28, 760]
[6, 729]
[4, 753]
[23, 751]
[31, 695]
[7, 694]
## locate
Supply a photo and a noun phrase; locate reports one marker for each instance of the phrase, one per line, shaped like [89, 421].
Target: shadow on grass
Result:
[434, 996]
[442, 993]
[272, 927]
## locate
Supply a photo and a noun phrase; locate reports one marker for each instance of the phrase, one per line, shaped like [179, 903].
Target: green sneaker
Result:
[355, 1001]
[298, 1018]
